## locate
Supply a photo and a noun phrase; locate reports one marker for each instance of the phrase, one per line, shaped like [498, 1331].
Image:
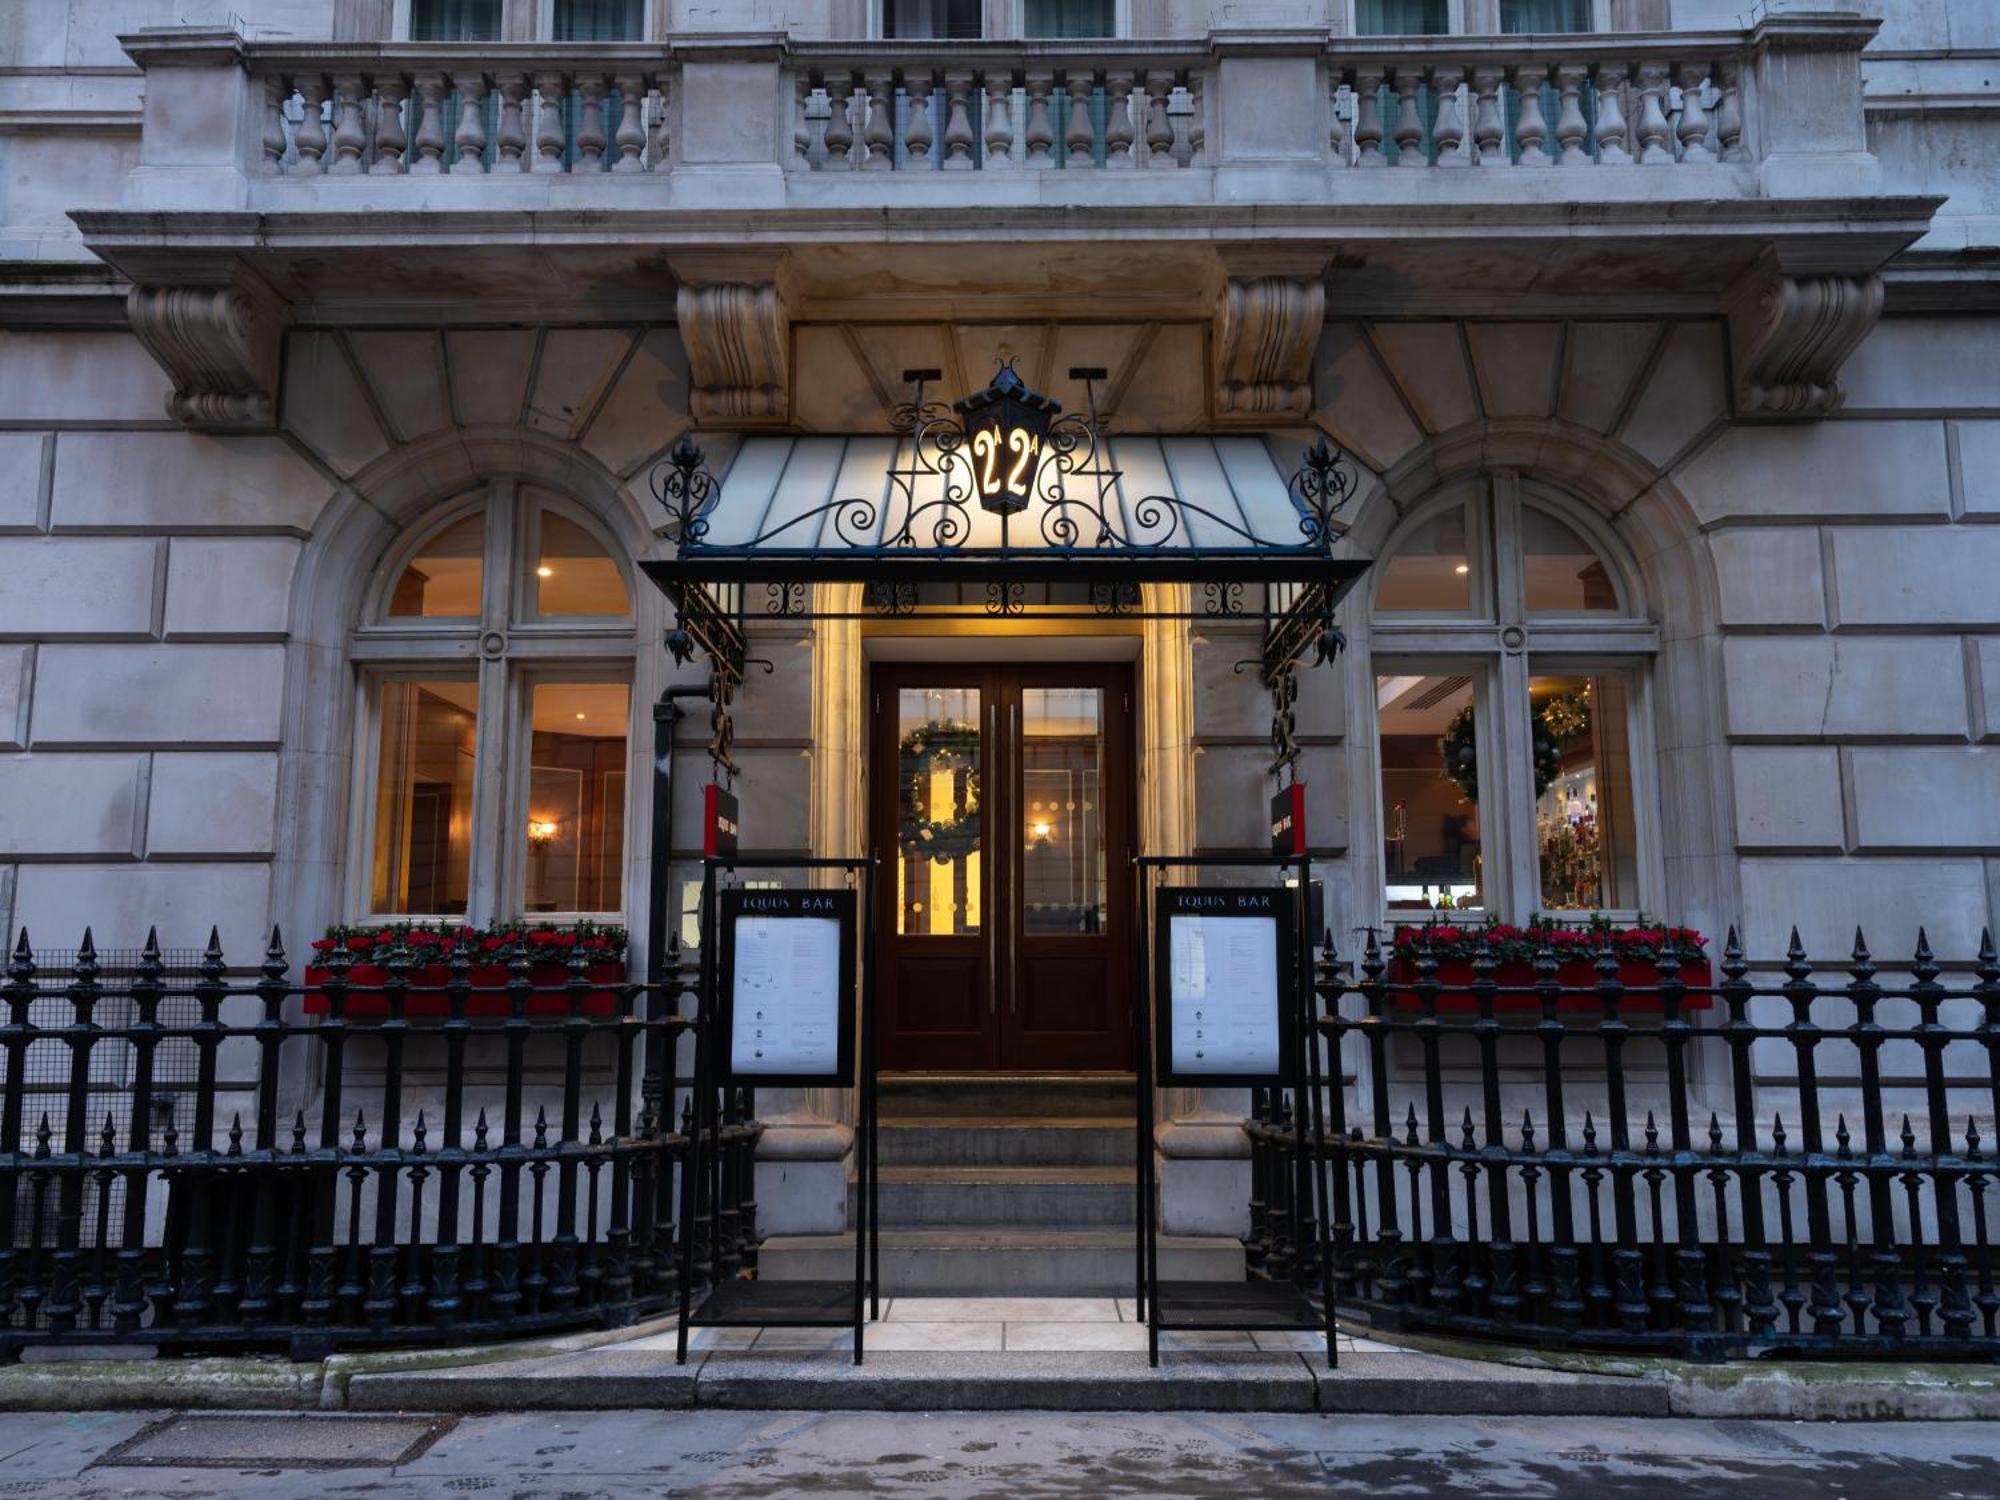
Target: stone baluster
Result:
[1571, 131]
[879, 133]
[1000, 122]
[430, 124]
[590, 137]
[839, 124]
[1336, 129]
[1118, 133]
[1041, 136]
[919, 87]
[1693, 129]
[1078, 137]
[1489, 121]
[1159, 128]
[1531, 131]
[510, 137]
[310, 136]
[1729, 112]
[1611, 129]
[470, 136]
[349, 140]
[273, 143]
[958, 120]
[1409, 131]
[1653, 136]
[630, 138]
[658, 132]
[549, 92]
[391, 138]
[802, 124]
[1368, 118]
[1448, 125]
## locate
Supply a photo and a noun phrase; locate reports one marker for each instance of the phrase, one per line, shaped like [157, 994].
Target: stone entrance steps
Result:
[992, 1183]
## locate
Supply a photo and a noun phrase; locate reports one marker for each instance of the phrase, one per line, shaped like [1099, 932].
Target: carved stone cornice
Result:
[1789, 333]
[1268, 317]
[735, 322]
[219, 343]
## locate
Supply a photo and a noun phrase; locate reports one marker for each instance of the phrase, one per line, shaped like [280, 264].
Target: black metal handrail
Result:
[1806, 1193]
[354, 1196]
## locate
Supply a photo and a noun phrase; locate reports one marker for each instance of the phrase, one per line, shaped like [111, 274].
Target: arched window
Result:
[495, 661]
[1511, 655]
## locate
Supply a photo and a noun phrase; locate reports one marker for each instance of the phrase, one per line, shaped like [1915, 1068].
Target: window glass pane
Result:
[1583, 792]
[576, 796]
[1565, 574]
[938, 836]
[1062, 809]
[1430, 791]
[1431, 568]
[941, 20]
[1544, 15]
[454, 20]
[599, 20]
[574, 575]
[423, 798]
[1400, 17]
[1047, 18]
[445, 577]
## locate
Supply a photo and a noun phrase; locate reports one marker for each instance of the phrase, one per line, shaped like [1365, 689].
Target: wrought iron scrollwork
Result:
[685, 488]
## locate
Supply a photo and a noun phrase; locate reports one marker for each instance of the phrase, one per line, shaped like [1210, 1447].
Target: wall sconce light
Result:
[542, 832]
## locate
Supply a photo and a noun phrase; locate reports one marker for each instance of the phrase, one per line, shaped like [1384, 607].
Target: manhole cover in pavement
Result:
[279, 1440]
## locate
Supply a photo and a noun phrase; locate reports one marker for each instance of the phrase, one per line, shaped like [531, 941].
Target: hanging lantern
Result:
[1006, 431]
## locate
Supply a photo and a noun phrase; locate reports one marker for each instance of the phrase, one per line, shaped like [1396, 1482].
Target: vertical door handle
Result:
[988, 869]
[1017, 869]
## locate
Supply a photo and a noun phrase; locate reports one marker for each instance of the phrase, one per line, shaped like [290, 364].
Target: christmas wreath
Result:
[1553, 722]
[924, 753]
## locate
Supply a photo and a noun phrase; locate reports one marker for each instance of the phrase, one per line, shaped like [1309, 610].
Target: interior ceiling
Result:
[1419, 705]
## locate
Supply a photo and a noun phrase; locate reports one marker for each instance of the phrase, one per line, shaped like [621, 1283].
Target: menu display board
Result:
[1225, 970]
[786, 986]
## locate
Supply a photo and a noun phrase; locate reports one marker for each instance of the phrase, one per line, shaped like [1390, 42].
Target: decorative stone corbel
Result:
[220, 344]
[1268, 317]
[1790, 331]
[735, 322]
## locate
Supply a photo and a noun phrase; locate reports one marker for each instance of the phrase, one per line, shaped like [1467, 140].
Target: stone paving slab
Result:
[306, 1440]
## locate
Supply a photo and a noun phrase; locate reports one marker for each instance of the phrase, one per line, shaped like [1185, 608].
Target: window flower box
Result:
[429, 974]
[1638, 951]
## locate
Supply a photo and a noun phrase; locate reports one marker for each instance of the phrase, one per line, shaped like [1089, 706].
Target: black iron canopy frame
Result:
[1054, 496]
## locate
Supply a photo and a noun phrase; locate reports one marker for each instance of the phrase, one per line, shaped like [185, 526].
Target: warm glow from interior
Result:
[545, 572]
[942, 876]
[543, 830]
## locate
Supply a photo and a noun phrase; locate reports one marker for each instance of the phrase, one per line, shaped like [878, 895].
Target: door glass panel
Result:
[575, 828]
[1430, 791]
[1431, 569]
[573, 574]
[422, 863]
[1583, 792]
[938, 840]
[1062, 809]
[445, 577]
[1565, 576]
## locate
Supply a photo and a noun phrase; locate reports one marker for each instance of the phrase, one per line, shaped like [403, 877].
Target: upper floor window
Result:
[454, 20]
[1511, 669]
[599, 20]
[931, 20]
[1070, 18]
[1438, 17]
[495, 687]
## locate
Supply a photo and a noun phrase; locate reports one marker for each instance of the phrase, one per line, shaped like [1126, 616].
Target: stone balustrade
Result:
[1599, 101]
[463, 110]
[763, 119]
[983, 107]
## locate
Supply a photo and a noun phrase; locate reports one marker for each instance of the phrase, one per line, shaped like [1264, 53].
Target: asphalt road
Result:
[581, 1456]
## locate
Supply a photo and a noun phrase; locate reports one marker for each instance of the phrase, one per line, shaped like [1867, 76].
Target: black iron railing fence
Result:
[1764, 1162]
[505, 1166]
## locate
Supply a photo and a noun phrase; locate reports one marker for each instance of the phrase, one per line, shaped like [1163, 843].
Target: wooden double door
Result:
[1002, 813]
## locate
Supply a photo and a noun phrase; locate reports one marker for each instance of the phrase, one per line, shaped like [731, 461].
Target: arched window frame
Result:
[1501, 646]
[505, 651]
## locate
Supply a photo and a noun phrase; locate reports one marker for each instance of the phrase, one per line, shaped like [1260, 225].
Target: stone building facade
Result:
[341, 342]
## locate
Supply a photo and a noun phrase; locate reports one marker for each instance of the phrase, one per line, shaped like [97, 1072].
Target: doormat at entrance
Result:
[331, 1440]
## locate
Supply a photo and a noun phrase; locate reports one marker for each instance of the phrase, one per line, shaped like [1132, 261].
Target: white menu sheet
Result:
[785, 996]
[1224, 977]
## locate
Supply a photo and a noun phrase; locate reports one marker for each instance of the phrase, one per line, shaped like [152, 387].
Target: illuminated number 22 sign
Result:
[1005, 478]
[1006, 432]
